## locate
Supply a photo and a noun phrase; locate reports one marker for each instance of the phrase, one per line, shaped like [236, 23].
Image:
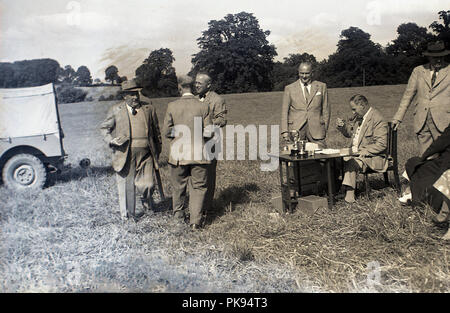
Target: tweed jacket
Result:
[296, 111]
[117, 123]
[217, 108]
[435, 99]
[372, 140]
[186, 138]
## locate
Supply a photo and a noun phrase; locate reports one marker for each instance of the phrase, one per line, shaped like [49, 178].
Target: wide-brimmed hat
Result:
[130, 86]
[436, 49]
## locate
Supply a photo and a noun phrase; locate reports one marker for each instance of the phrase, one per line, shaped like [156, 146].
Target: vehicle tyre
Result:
[24, 172]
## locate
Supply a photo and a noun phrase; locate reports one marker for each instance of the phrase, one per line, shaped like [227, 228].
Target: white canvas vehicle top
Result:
[30, 136]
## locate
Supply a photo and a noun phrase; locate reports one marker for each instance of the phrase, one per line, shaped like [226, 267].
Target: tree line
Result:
[236, 53]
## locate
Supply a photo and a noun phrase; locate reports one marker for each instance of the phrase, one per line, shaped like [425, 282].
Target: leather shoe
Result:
[195, 227]
[405, 199]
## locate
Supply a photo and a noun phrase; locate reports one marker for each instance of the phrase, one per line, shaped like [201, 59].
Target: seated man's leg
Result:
[352, 167]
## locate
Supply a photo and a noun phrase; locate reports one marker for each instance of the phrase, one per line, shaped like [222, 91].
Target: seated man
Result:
[428, 176]
[369, 132]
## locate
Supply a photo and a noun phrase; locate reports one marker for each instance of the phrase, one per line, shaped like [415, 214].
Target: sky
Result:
[99, 33]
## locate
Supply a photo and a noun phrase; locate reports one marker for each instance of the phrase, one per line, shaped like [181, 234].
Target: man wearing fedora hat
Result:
[429, 88]
[430, 83]
[131, 130]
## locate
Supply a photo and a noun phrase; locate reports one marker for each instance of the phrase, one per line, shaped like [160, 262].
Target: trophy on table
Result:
[302, 148]
[294, 136]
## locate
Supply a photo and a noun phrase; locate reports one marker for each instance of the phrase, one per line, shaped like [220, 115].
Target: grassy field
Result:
[70, 238]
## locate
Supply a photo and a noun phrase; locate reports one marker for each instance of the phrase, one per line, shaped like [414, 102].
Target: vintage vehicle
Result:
[31, 137]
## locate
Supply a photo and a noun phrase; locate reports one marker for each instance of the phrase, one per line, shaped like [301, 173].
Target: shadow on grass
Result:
[229, 197]
[78, 173]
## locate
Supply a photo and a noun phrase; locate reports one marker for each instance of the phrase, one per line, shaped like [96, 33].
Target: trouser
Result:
[305, 134]
[428, 134]
[211, 182]
[352, 166]
[180, 175]
[136, 175]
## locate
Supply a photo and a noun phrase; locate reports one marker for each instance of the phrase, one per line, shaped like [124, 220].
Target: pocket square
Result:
[318, 93]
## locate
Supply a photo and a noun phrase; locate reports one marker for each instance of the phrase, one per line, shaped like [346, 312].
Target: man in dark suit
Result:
[131, 130]
[185, 118]
[369, 133]
[218, 117]
[305, 107]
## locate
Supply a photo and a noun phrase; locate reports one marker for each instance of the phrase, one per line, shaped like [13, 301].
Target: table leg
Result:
[330, 186]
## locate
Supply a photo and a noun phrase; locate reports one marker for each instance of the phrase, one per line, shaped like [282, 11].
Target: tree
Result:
[28, 73]
[83, 77]
[411, 40]
[443, 30]
[112, 75]
[406, 50]
[157, 75]
[66, 75]
[357, 61]
[236, 53]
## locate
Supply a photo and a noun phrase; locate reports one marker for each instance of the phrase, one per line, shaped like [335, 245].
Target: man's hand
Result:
[363, 153]
[118, 141]
[340, 122]
[395, 124]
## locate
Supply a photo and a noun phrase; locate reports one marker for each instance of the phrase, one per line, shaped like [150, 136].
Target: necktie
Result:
[306, 92]
[433, 78]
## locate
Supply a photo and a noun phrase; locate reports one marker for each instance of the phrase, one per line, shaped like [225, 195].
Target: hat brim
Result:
[436, 54]
[131, 90]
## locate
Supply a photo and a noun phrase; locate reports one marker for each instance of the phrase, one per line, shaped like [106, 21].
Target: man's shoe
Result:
[195, 227]
[405, 199]
[179, 215]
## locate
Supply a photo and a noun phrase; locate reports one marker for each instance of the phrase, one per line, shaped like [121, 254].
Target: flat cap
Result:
[185, 80]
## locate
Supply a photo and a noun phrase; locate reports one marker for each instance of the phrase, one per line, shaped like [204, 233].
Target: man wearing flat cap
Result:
[430, 84]
[132, 132]
[185, 119]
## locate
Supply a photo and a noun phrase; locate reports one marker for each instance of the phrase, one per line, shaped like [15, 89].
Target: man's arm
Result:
[410, 92]
[346, 129]
[108, 126]
[326, 110]
[284, 112]
[156, 131]
[219, 112]
[168, 124]
[379, 143]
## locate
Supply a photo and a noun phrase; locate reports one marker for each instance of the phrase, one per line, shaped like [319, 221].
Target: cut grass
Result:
[69, 238]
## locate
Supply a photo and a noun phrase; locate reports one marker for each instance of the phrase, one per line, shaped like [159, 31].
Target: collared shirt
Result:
[358, 132]
[303, 88]
[130, 109]
[187, 94]
[203, 99]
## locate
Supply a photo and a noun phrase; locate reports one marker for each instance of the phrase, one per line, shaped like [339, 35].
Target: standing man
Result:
[305, 107]
[218, 118]
[430, 84]
[369, 133]
[185, 121]
[131, 130]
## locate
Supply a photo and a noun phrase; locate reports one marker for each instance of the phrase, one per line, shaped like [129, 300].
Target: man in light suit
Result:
[131, 130]
[430, 84]
[305, 107]
[218, 116]
[187, 163]
[369, 133]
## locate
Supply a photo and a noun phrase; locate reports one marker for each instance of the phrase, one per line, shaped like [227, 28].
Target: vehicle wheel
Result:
[24, 171]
